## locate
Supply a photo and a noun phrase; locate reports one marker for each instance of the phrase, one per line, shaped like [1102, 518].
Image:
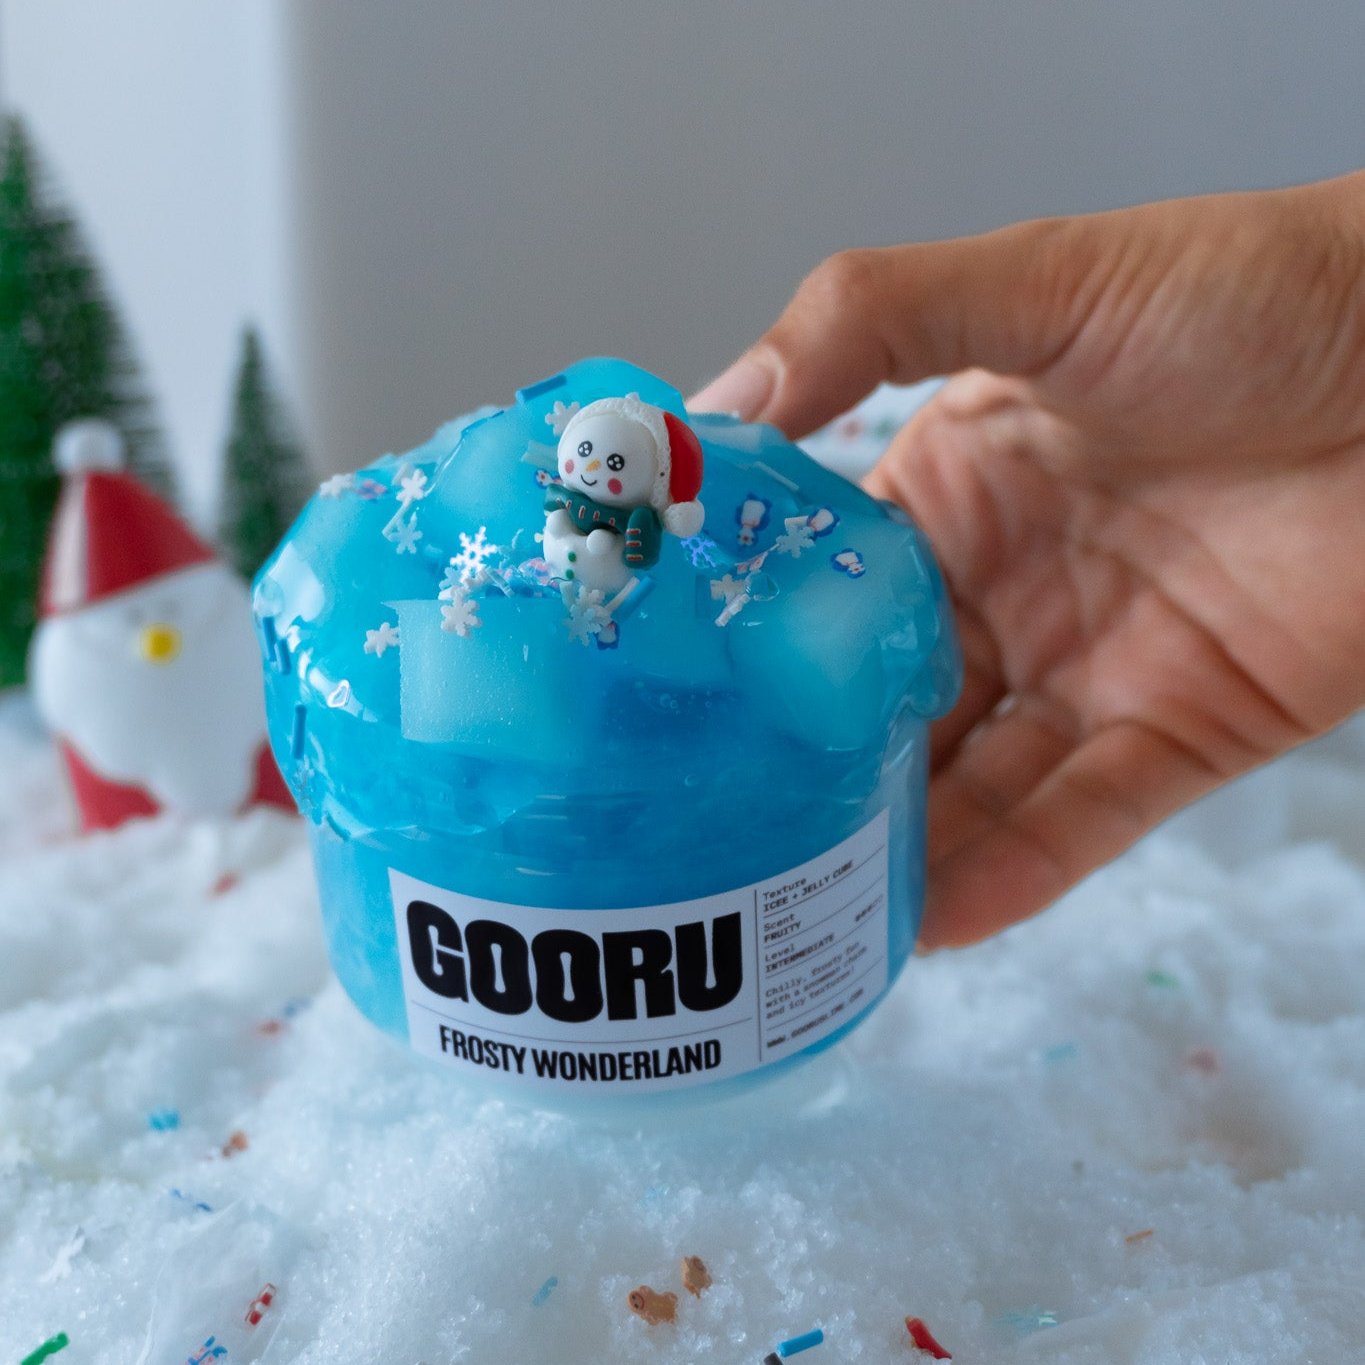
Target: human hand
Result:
[1147, 494]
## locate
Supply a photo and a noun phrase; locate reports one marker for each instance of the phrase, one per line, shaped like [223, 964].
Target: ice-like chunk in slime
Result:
[622, 844]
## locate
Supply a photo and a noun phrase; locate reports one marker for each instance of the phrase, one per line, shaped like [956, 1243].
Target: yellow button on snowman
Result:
[627, 473]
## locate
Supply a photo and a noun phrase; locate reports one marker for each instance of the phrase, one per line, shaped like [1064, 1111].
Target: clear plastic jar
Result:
[581, 865]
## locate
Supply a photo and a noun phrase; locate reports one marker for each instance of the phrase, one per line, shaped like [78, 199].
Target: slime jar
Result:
[611, 725]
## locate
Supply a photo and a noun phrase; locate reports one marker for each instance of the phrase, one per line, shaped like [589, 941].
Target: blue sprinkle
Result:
[1060, 1052]
[163, 1120]
[801, 1343]
[179, 1194]
[544, 1291]
[555, 381]
[1030, 1320]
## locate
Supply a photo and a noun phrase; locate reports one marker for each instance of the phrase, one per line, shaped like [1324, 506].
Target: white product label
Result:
[650, 998]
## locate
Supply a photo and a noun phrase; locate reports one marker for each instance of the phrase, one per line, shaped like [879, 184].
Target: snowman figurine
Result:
[627, 473]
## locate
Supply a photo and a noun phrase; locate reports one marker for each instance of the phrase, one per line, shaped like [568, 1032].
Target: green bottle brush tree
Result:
[62, 356]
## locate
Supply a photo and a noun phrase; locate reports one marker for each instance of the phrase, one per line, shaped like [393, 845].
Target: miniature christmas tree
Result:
[61, 357]
[265, 476]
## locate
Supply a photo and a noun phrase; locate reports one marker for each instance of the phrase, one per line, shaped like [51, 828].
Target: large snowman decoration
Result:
[627, 473]
[144, 663]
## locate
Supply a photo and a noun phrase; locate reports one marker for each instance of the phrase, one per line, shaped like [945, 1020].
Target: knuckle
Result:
[848, 281]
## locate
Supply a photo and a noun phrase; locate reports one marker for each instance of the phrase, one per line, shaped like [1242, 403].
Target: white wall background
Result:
[162, 124]
[428, 203]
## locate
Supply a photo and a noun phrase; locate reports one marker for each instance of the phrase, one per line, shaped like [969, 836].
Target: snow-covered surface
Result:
[1180, 1047]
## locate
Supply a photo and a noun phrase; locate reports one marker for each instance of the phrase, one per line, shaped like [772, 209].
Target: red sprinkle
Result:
[1205, 1060]
[259, 1304]
[237, 1142]
[225, 883]
[924, 1339]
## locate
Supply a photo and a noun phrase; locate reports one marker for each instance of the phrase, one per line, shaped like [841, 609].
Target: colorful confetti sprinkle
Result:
[652, 1306]
[1205, 1060]
[1029, 1320]
[695, 1276]
[163, 1120]
[544, 1292]
[49, 1348]
[259, 1304]
[184, 1198]
[795, 1345]
[924, 1339]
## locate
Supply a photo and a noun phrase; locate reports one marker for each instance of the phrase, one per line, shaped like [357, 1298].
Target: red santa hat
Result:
[677, 455]
[109, 534]
[683, 514]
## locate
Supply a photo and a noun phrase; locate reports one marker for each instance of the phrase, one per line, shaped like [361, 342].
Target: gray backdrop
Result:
[485, 192]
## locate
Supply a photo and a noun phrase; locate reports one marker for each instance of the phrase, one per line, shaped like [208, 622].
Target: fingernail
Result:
[744, 388]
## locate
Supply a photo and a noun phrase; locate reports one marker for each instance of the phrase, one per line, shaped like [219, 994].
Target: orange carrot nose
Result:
[595, 464]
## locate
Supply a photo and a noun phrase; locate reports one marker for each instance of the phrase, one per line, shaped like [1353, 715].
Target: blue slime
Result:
[685, 849]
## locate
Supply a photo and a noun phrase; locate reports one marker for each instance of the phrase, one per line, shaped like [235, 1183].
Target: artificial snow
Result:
[1177, 1049]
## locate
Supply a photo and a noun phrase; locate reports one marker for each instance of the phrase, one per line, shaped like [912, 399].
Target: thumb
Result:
[1008, 301]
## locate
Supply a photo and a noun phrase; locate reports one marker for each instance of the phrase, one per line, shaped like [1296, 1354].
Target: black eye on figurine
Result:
[585, 449]
[616, 461]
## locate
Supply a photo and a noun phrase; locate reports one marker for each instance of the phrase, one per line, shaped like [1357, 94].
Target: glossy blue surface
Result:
[518, 764]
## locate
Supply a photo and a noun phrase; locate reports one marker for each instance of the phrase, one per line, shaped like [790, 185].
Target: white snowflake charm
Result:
[472, 560]
[588, 615]
[798, 536]
[377, 641]
[412, 487]
[406, 535]
[560, 416]
[460, 614]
